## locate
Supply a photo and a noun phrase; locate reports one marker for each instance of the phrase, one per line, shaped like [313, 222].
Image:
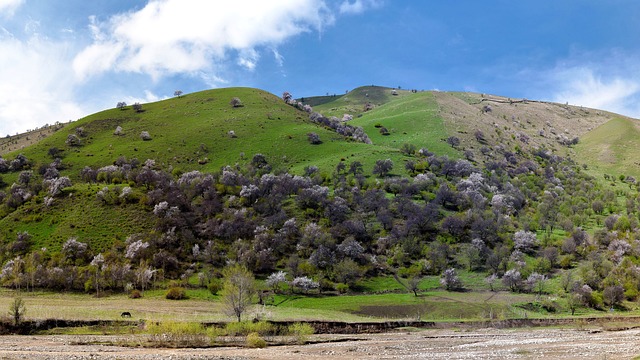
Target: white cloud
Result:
[583, 87]
[193, 36]
[149, 96]
[358, 6]
[37, 84]
[608, 81]
[7, 7]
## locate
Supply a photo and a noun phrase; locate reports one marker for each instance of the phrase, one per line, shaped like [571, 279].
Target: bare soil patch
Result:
[592, 343]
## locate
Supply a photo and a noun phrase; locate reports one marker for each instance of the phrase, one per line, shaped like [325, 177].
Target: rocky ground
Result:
[428, 344]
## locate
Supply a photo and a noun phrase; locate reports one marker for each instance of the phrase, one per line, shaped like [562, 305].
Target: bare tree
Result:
[238, 290]
[121, 105]
[177, 93]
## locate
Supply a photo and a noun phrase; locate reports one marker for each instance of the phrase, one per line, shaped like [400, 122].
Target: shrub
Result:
[408, 149]
[215, 285]
[137, 107]
[17, 309]
[145, 136]
[135, 294]
[236, 102]
[314, 138]
[176, 293]
[384, 131]
[73, 140]
[301, 332]
[342, 288]
[255, 341]
[178, 334]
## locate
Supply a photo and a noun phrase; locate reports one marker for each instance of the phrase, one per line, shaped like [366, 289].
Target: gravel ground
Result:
[429, 344]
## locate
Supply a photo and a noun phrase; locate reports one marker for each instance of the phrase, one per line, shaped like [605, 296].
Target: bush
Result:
[176, 293]
[145, 136]
[301, 332]
[178, 334]
[215, 285]
[314, 138]
[135, 294]
[235, 102]
[342, 288]
[255, 341]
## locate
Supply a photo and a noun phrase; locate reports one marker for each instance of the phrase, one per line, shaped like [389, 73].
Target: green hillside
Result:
[192, 132]
[612, 148]
[501, 195]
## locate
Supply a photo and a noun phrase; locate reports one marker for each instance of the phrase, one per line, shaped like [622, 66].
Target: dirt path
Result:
[429, 344]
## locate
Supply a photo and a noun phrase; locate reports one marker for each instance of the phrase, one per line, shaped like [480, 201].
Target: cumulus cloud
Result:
[191, 36]
[149, 96]
[358, 6]
[583, 87]
[7, 7]
[36, 86]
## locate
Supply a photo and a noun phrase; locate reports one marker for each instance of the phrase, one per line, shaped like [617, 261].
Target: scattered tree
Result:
[314, 138]
[382, 167]
[236, 102]
[513, 280]
[145, 136]
[450, 280]
[17, 310]
[453, 141]
[238, 290]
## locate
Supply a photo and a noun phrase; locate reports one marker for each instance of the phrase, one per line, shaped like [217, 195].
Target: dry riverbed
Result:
[474, 344]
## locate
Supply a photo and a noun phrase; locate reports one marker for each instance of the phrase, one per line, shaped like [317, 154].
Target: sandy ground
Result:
[430, 344]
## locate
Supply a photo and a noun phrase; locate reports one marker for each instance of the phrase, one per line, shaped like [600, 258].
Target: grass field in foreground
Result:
[436, 305]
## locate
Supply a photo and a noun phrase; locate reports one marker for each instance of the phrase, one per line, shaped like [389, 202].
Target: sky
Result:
[62, 60]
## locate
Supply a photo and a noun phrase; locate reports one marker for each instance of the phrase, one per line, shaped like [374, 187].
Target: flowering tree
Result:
[276, 280]
[304, 283]
[450, 280]
[512, 279]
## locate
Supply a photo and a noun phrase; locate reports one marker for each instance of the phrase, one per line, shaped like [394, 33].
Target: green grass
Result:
[81, 216]
[611, 148]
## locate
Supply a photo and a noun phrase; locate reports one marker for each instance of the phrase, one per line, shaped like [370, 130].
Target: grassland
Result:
[612, 148]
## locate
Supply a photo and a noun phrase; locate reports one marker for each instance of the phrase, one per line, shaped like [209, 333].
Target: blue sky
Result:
[61, 60]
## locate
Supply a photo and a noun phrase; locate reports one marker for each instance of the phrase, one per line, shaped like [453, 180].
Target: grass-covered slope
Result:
[612, 148]
[192, 132]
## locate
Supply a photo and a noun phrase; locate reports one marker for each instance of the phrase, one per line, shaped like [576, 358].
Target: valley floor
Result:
[547, 343]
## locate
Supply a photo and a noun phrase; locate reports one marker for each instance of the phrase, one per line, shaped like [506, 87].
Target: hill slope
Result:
[497, 198]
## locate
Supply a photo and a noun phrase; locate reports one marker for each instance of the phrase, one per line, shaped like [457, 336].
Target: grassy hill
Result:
[191, 132]
[339, 224]
[612, 147]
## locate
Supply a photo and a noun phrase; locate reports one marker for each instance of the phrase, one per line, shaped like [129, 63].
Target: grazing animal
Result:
[126, 314]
